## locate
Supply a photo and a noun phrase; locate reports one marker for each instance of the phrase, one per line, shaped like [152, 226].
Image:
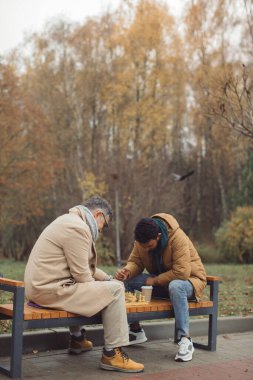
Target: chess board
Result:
[138, 304]
[135, 299]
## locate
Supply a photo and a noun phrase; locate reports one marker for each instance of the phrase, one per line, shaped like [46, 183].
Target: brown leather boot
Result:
[79, 344]
[118, 360]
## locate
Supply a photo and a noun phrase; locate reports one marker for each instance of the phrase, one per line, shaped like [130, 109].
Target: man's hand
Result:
[122, 274]
[150, 281]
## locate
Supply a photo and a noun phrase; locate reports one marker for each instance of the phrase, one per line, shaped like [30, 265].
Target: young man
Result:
[174, 270]
[61, 273]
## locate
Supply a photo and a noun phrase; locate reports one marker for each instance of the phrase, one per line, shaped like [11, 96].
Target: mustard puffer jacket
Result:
[180, 258]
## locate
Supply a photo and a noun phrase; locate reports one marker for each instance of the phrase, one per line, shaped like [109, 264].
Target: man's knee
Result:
[175, 287]
[116, 287]
[182, 288]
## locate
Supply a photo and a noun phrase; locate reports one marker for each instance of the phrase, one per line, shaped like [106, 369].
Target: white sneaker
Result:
[137, 337]
[185, 351]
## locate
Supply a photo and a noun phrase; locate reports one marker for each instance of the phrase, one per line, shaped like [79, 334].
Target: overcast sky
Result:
[21, 17]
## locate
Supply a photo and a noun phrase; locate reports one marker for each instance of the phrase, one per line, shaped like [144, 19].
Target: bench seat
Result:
[26, 317]
[31, 313]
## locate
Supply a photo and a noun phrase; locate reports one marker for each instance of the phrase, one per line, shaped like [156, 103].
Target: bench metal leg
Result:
[14, 370]
[212, 335]
[212, 329]
[213, 319]
[17, 335]
[212, 332]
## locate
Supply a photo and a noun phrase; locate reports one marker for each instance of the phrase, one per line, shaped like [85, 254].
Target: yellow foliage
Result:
[91, 185]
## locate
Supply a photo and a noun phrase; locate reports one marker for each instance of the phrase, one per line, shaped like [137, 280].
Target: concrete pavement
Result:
[233, 360]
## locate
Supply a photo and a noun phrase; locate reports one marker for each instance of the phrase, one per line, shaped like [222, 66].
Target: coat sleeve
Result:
[100, 275]
[134, 262]
[181, 261]
[77, 245]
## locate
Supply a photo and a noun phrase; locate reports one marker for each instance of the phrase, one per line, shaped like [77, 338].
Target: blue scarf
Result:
[90, 220]
[157, 253]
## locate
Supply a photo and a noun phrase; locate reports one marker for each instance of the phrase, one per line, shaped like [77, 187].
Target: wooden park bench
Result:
[26, 317]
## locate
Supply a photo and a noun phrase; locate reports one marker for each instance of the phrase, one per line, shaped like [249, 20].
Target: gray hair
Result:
[96, 202]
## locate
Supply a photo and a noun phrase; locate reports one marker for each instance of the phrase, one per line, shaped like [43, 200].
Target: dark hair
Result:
[145, 230]
[97, 202]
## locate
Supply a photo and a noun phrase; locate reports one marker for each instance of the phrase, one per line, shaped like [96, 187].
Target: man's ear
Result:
[96, 213]
[159, 236]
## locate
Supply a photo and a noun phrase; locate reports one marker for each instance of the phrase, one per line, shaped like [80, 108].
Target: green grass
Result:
[12, 269]
[235, 294]
[236, 290]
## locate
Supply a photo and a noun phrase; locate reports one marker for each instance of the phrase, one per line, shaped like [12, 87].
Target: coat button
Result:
[92, 266]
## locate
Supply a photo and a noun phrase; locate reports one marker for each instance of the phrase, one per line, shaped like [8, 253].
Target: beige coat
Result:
[61, 270]
[180, 259]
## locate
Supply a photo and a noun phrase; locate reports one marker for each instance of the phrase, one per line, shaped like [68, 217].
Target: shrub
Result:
[235, 237]
[209, 253]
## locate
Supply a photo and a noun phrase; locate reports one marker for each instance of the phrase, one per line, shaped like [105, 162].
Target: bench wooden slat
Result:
[71, 315]
[214, 278]
[8, 281]
[6, 309]
[40, 313]
[195, 305]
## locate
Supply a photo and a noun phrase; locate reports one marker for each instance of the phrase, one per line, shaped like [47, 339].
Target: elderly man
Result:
[174, 270]
[61, 273]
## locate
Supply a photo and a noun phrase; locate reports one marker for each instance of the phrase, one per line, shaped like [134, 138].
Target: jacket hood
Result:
[169, 219]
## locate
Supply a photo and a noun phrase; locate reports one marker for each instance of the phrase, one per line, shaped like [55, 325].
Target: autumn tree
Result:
[26, 165]
[209, 49]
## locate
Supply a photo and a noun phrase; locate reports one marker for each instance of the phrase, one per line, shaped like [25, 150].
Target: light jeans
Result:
[114, 318]
[178, 291]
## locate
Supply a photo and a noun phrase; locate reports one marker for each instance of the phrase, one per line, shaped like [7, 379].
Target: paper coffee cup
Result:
[147, 292]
